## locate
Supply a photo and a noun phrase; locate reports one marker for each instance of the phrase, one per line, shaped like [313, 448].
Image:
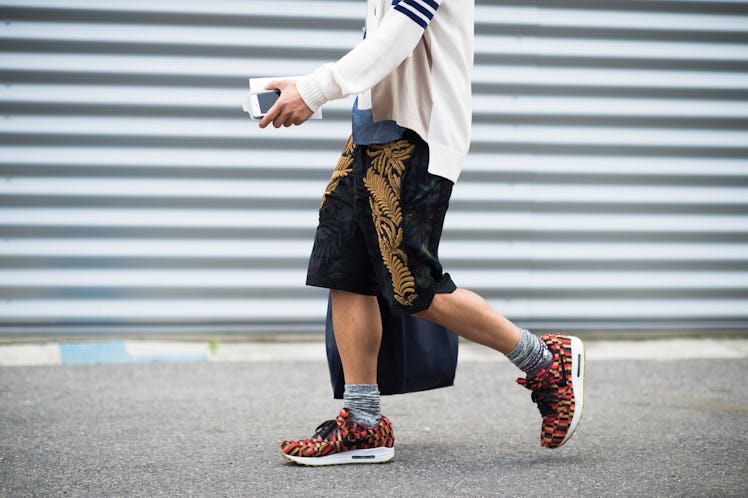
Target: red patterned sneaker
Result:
[342, 441]
[559, 390]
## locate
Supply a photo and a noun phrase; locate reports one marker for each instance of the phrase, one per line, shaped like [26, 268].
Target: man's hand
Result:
[289, 109]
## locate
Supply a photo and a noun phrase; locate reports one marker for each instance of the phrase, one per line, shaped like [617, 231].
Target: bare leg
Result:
[468, 315]
[358, 334]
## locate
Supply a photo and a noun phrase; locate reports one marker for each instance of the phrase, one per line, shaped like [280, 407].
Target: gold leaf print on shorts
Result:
[383, 183]
[342, 169]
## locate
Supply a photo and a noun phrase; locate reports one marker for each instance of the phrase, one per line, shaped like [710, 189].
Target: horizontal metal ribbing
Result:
[607, 184]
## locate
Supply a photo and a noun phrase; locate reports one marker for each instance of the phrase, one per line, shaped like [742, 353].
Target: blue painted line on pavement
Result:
[92, 353]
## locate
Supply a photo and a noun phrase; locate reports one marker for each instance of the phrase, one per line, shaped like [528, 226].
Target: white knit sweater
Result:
[413, 67]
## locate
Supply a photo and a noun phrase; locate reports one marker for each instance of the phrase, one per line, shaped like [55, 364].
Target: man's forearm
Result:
[371, 60]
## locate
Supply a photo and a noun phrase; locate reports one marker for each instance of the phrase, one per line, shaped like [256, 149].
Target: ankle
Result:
[531, 355]
[363, 402]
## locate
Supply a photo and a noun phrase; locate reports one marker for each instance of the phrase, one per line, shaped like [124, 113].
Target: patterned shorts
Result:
[380, 223]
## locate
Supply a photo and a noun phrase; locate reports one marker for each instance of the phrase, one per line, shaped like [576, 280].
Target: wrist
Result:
[311, 92]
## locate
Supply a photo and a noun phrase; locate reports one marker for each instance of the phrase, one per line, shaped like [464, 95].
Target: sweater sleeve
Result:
[374, 58]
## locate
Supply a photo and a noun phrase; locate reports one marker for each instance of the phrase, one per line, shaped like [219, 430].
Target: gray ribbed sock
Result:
[363, 401]
[531, 354]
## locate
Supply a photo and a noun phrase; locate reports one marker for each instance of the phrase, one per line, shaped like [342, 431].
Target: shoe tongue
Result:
[539, 380]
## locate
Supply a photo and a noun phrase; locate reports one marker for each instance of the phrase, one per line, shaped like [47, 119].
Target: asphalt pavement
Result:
[655, 424]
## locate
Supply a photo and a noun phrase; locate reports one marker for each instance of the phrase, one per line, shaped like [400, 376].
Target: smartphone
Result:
[261, 102]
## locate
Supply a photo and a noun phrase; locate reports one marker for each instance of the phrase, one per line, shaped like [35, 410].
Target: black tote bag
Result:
[415, 355]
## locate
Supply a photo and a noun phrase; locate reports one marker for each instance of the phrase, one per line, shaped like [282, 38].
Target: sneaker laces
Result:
[543, 393]
[324, 429]
[328, 427]
[544, 399]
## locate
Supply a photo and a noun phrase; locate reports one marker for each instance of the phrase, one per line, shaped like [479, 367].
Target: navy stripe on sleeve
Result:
[420, 8]
[431, 3]
[417, 19]
[419, 11]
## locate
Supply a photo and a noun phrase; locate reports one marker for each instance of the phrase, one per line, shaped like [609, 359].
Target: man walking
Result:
[381, 220]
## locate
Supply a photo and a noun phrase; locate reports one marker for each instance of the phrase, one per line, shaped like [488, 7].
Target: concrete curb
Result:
[143, 351]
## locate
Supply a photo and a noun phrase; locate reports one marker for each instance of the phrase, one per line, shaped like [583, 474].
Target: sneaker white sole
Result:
[578, 359]
[373, 455]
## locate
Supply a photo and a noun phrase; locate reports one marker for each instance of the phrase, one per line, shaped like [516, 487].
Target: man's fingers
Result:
[301, 118]
[265, 121]
[269, 116]
[279, 120]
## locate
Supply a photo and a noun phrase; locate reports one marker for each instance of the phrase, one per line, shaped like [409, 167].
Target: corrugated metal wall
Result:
[607, 185]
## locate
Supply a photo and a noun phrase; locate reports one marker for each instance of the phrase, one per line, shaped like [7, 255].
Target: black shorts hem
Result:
[353, 287]
[446, 287]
